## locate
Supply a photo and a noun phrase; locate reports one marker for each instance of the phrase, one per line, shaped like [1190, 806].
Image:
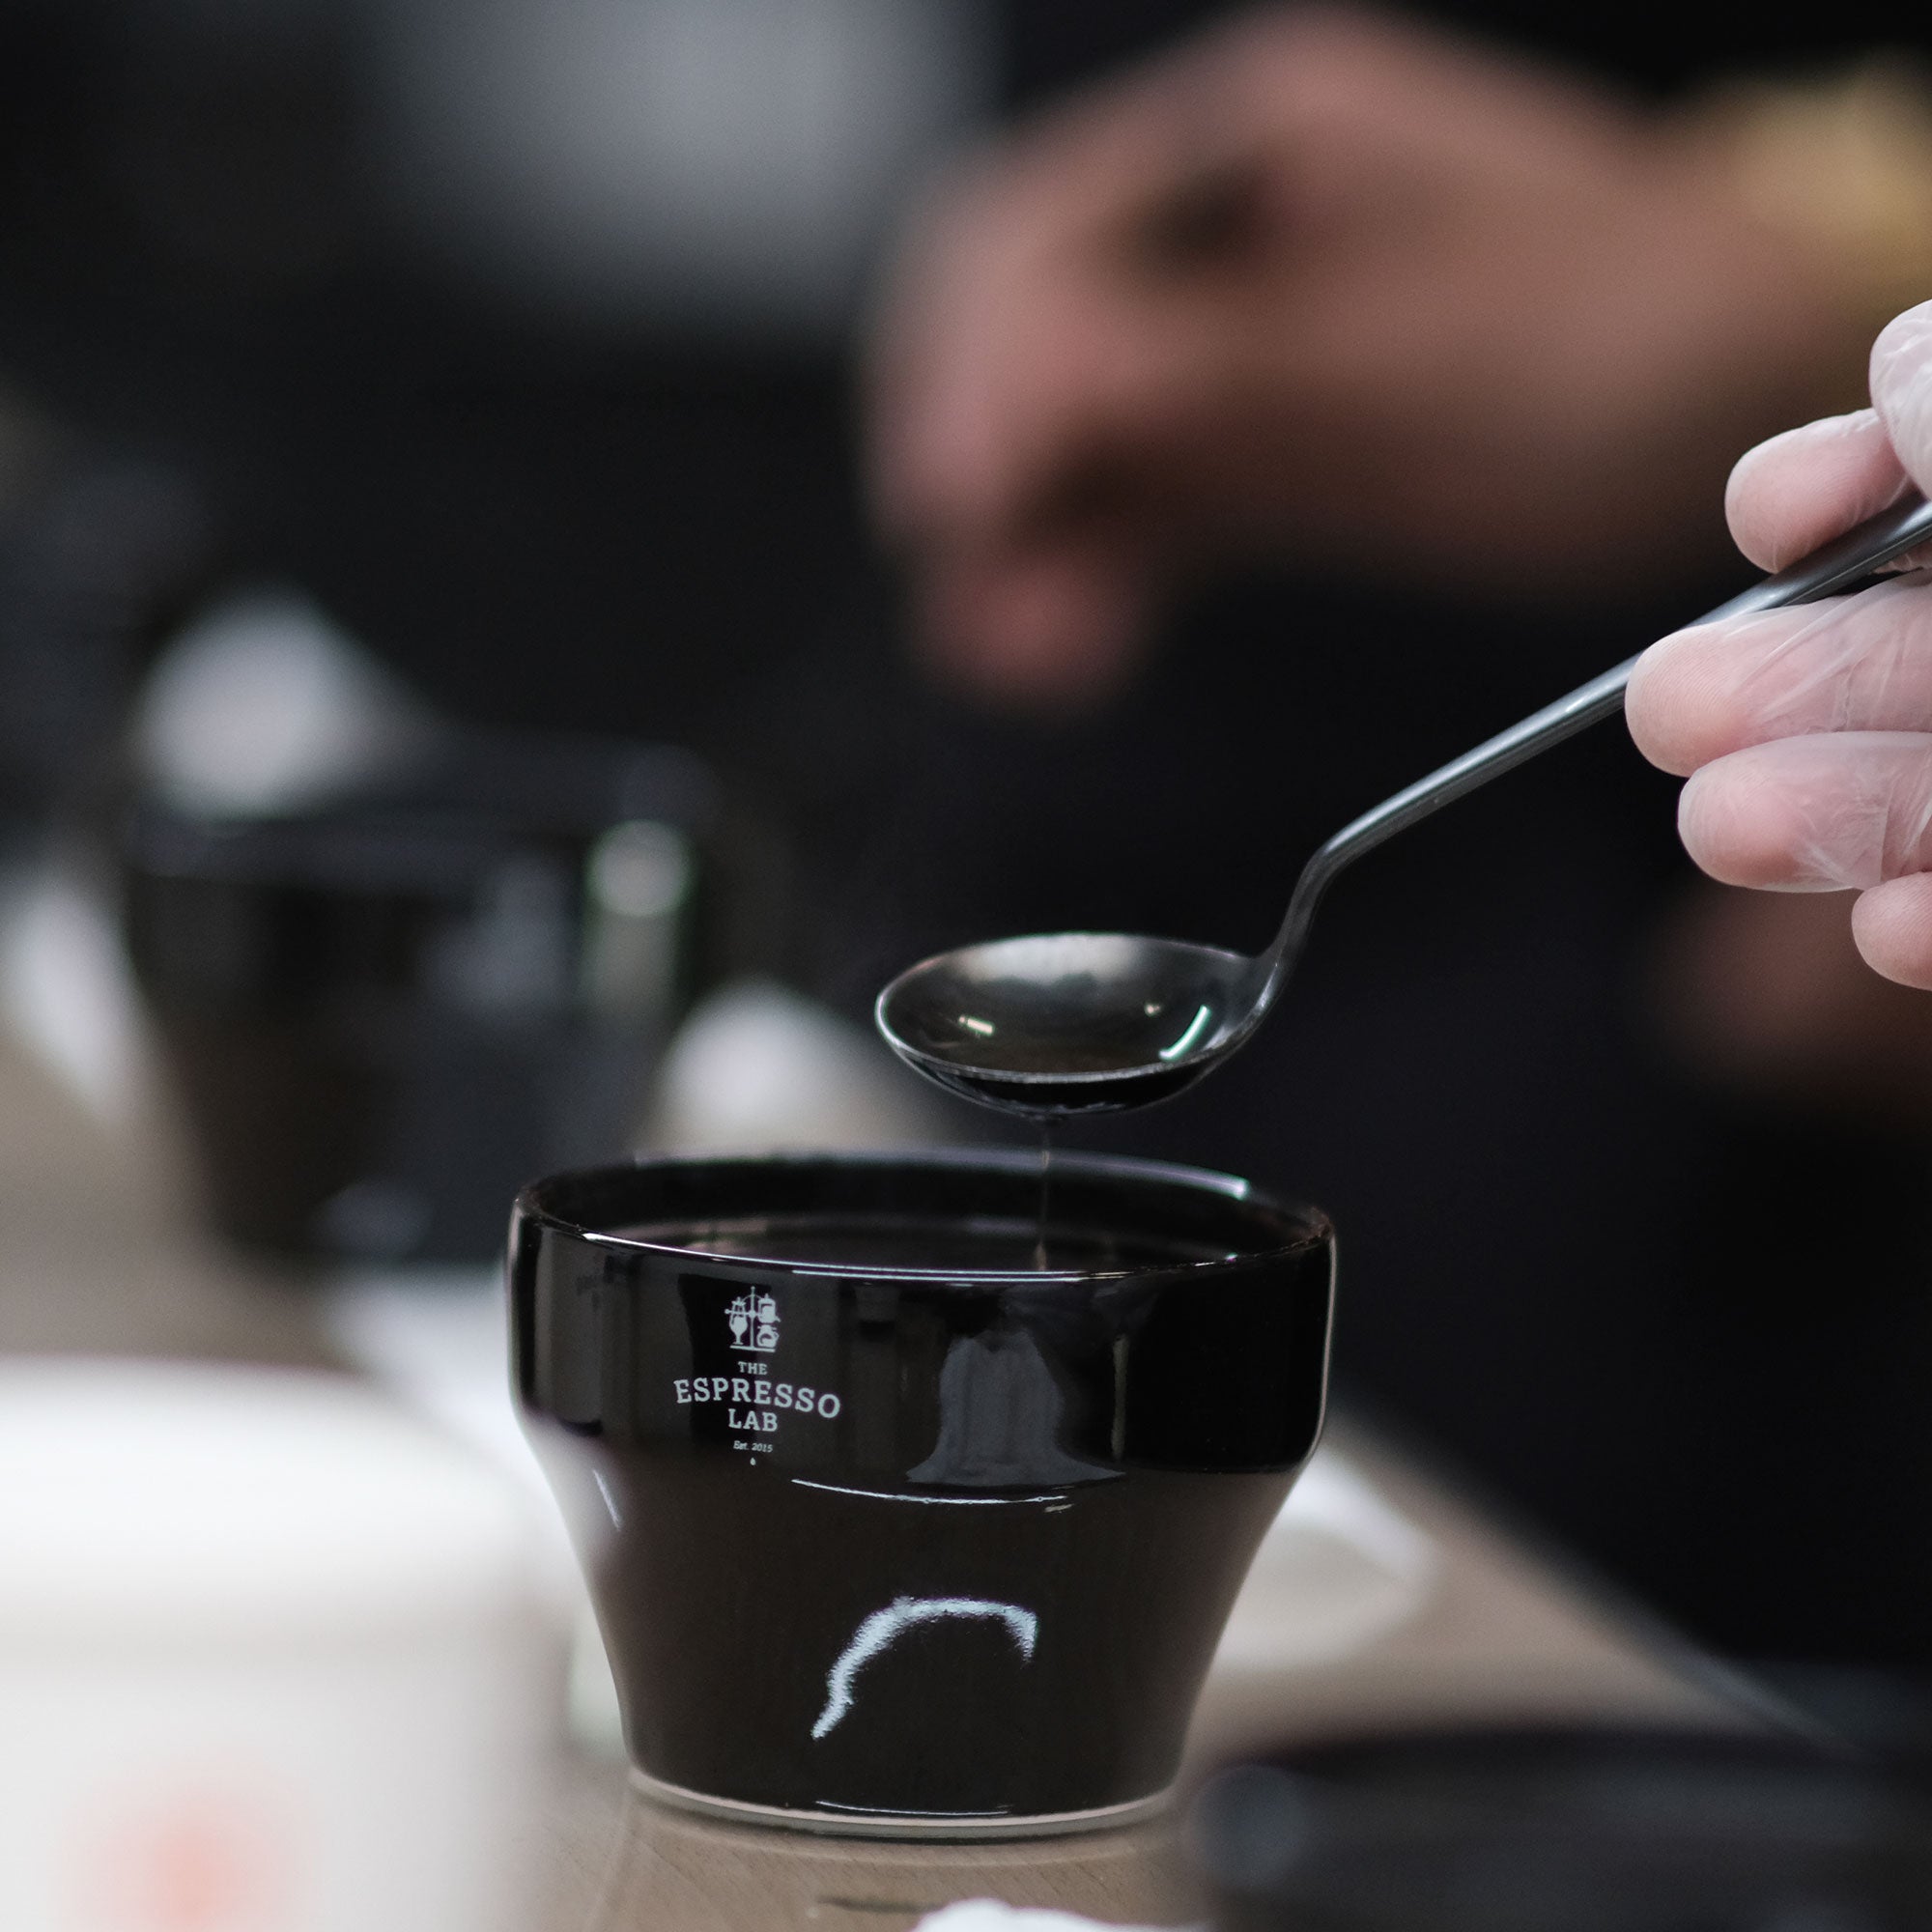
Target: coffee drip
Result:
[1040, 1251]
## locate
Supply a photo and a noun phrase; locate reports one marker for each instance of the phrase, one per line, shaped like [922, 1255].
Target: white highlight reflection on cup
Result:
[267, 1659]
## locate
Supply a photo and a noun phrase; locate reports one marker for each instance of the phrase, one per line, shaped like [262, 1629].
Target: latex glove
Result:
[1332, 287]
[1808, 733]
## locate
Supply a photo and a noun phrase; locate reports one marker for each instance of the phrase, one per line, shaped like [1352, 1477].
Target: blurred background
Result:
[466, 713]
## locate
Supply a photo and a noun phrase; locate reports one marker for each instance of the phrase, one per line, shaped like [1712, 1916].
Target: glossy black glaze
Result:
[951, 1542]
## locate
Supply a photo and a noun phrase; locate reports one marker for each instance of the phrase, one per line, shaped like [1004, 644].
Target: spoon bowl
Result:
[1092, 1022]
[1067, 1022]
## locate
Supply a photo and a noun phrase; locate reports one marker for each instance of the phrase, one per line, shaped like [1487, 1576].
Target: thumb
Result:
[1901, 390]
[1789, 494]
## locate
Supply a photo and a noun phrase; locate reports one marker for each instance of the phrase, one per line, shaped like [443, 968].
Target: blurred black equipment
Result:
[1567, 1830]
[386, 1012]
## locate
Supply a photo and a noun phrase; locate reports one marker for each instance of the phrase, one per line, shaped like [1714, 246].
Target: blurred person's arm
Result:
[1331, 287]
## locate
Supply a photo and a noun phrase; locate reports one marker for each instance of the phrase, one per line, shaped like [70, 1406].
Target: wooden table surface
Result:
[102, 1253]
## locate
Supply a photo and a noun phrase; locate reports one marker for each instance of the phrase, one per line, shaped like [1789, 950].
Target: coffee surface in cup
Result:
[926, 1244]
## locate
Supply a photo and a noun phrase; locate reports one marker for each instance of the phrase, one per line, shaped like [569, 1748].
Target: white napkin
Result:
[990, 1915]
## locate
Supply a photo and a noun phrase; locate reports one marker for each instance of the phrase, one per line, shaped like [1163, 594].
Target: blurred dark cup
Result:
[1567, 1830]
[894, 1527]
[384, 1014]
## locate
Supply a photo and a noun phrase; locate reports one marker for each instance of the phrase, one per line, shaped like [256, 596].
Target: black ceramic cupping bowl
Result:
[917, 1548]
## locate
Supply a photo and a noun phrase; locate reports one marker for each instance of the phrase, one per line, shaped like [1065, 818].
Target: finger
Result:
[1851, 663]
[1901, 390]
[1052, 630]
[1892, 925]
[1814, 815]
[1797, 491]
[1791, 493]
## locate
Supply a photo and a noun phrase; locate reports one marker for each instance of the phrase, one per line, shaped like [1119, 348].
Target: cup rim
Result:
[1303, 1226]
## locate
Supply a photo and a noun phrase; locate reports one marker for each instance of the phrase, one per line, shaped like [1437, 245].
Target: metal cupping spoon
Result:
[1089, 1022]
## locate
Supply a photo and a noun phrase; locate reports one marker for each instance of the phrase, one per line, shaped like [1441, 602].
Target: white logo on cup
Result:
[753, 1399]
[753, 1319]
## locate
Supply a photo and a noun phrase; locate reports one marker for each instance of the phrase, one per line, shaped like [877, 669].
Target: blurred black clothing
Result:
[1690, 1337]
[1653, 49]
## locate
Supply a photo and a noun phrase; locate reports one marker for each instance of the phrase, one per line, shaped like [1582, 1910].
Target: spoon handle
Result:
[1833, 566]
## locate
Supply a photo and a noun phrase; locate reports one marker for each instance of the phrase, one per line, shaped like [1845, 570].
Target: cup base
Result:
[830, 1822]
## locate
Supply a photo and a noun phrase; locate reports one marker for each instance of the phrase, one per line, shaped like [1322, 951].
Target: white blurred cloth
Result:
[990, 1915]
[263, 704]
[720, 164]
[757, 1066]
[267, 1645]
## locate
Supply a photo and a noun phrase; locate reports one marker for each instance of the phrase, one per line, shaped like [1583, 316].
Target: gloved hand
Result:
[1334, 287]
[1806, 735]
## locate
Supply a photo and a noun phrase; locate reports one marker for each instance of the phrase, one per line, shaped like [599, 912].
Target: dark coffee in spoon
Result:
[1066, 1023]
